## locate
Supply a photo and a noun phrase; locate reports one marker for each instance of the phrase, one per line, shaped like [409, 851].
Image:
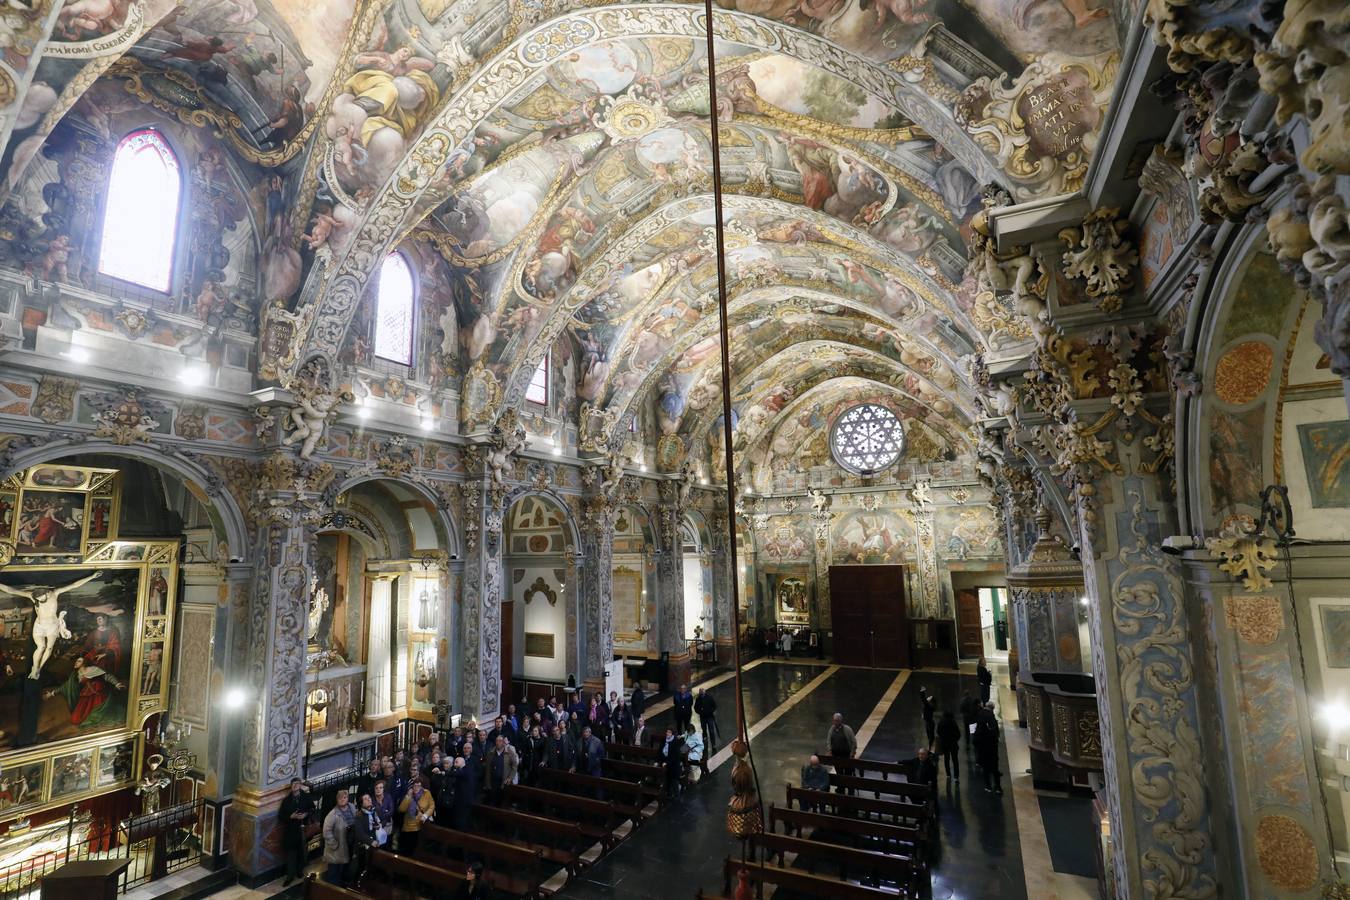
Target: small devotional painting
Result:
[53, 511]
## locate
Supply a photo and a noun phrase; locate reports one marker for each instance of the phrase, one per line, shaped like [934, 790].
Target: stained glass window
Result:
[141, 219]
[867, 438]
[537, 392]
[394, 311]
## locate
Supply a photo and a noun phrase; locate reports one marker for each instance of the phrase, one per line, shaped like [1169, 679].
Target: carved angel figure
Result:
[309, 418]
[613, 477]
[819, 501]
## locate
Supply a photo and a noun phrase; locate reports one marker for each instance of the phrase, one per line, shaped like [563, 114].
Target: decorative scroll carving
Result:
[1245, 555]
[1102, 257]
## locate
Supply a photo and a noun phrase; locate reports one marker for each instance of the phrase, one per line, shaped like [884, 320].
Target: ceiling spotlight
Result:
[428, 424]
[193, 375]
[363, 412]
[1084, 601]
[77, 354]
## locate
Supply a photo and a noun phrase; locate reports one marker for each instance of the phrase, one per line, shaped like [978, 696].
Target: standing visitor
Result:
[589, 753]
[367, 835]
[986, 749]
[929, 708]
[970, 711]
[706, 707]
[502, 768]
[986, 679]
[296, 808]
[683, 708]
[948, 738]
[694, 745]
[638, 701]
[841, 743]
[418, 808]
[672, 757]
[336, 854]
[786, 641]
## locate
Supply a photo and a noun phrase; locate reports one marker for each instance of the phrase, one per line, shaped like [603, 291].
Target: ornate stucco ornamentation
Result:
[316, 406]
[1258, 620]
[126, 417]
[508, 436]
[1245, 556]
[481, 396]
[1101, 256]
[1178, 25]
[595, 424]
[280, 337]
[6, 553]
[134, 323]
[55, 401]
[1307, 68]
[190, 422]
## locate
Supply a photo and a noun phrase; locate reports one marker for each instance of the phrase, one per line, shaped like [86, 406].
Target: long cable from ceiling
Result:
[745, 815]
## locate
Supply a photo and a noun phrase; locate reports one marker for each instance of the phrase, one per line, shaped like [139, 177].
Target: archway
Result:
[539, 640]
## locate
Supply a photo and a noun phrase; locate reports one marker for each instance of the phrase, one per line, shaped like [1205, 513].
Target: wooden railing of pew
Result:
[799, 882]
[907, 873]
[393, 876]
[650, 755]
[508, 868]
[322, 890]
[910, 839]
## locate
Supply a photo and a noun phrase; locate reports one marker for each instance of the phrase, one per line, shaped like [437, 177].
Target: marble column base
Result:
[253, 834]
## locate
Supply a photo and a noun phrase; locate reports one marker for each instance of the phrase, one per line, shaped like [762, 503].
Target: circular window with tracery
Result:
[867, 438]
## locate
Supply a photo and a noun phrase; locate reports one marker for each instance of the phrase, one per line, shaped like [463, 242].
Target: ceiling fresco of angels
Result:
[547, 165]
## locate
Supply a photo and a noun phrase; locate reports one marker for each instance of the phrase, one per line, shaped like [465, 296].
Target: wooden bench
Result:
[895, 810]
[598, 818]
[643, 773]
[795, 820]
[799, 882]
[629, 797]
[863, 764]
[506, 867]
[322, 890]
[908, 873]
[651, 754]
[913, 793]
[560, 842]
[392, 876]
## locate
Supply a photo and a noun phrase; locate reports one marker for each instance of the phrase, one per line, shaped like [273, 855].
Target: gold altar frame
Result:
[86, 487]
[150, 630]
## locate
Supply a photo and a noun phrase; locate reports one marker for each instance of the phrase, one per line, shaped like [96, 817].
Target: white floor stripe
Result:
[869, 728]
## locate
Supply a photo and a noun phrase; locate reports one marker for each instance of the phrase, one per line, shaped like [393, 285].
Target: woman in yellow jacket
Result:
[417, 807]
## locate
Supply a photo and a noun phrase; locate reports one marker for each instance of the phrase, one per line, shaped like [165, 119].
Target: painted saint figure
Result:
[49, 623]
[88, 692]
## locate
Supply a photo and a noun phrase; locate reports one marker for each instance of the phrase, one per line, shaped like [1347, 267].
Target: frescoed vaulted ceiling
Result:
[551, 161]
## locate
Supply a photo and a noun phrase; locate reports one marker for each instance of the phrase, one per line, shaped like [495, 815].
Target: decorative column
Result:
[484, 501]
[272, 743]
[1259, 710]
[597, 600]
[820, 525]
[670, 586]
[929, 601]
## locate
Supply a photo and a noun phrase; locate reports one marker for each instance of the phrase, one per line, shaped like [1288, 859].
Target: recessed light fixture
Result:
[77, 354]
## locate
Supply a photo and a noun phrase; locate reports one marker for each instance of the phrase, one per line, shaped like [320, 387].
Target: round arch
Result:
[441, 518]
[206, 484]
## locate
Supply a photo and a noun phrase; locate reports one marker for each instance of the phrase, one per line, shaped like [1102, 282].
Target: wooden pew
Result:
[906, 872]
[646, 773]
[560, 842]
[918, 813]
[322, 890]
[861, 765]
[598, 818]
[649, 754]
[913, 793]
[629, 797]
[799, 882]
[392, 876]
[885, 834]
[506, 867]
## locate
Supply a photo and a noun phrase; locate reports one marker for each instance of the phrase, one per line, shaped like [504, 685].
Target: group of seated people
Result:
[430, 782]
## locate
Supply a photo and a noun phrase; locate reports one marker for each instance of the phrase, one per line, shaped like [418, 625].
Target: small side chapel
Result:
[746, 382]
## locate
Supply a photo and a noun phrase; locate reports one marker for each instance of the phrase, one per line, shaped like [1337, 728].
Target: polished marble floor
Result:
[992, 846]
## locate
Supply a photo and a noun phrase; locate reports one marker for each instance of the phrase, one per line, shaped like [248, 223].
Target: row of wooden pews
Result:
[871, 837]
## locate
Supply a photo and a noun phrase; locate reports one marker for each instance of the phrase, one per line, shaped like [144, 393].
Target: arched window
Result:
[867, 438]
[537, 392]
[394, 311]
[140, 222]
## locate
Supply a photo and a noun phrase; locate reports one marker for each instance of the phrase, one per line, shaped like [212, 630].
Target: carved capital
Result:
[1102, 257]
[1245, 556]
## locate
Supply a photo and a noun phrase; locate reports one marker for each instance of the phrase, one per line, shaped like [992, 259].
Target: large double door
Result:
[867, 607]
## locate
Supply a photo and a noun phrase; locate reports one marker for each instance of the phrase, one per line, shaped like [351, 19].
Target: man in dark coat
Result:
[638, 702]
[683, 708]
[296, 808]
[589, 752]
[558, 751]
[672, 757]
[986, 749]
[466, 782]
[706, 707]
[929, 709]
[970, 711]
[986, 679]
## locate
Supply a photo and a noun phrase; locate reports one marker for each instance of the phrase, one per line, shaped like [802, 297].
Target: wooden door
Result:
[970, 633]
[867, 606]
[508, 652]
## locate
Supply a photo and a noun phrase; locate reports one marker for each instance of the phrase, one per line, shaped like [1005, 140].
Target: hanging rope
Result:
[745, 814]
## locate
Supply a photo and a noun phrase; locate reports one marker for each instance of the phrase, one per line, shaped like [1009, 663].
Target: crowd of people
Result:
[431, 782]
